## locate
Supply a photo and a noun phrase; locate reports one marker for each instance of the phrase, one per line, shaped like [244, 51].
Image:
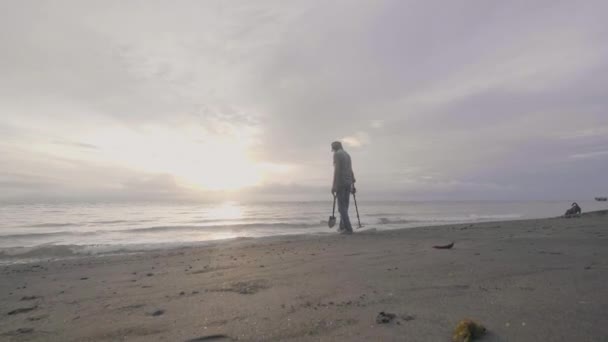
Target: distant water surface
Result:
[35, 230]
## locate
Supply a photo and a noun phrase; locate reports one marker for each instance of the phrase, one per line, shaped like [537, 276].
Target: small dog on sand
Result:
[575, 210]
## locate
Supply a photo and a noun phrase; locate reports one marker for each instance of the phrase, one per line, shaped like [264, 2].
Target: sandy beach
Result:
[533, 280]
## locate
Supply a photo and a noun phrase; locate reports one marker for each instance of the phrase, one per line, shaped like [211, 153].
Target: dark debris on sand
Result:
[20, 331]
[207, 338]
[21, 310]
[156, 313]
[244, 287]
[385, 317]
[448, 246]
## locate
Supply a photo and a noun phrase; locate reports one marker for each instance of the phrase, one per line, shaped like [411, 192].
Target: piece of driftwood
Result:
[444, 246]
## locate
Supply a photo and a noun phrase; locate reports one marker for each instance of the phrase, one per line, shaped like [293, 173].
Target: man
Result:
[344, 184]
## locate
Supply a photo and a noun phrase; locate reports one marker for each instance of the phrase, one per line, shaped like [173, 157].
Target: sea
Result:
[62, 230]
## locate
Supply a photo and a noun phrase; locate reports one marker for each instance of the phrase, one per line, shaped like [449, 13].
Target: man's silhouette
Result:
[344, 184]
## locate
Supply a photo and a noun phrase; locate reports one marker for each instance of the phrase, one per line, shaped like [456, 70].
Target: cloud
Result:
[377, 123]
[357, 140]
[467, 99]
[76, 144]
[588, 155]
[591, 132]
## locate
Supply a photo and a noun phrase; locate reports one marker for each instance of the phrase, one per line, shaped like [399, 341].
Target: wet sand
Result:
[533, 280]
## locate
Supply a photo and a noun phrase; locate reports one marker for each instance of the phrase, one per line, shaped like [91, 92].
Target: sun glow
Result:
[206, 162]
[225, 167]
[226, 211]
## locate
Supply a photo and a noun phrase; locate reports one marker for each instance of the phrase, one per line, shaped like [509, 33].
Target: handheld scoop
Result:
[332, 219]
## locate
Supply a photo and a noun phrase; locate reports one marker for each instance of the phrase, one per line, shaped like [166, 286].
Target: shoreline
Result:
[525, 280]
[67, 252]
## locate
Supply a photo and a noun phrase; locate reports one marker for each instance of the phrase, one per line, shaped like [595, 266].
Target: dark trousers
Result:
[343, 196]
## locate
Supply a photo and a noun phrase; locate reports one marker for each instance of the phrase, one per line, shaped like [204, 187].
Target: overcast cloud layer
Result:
[433, 99]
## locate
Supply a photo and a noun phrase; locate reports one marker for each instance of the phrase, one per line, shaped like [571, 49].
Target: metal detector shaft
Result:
[357, 208]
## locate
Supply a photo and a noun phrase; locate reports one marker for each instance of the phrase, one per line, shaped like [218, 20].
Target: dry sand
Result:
[534, 280]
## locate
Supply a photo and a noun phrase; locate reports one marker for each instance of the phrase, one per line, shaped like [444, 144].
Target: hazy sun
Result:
[225, 167]
[209, 162]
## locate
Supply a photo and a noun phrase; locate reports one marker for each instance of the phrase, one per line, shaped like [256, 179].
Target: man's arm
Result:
[337, 166]
[352, 174]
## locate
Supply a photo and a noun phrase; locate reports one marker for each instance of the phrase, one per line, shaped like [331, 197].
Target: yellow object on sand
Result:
[467, 330]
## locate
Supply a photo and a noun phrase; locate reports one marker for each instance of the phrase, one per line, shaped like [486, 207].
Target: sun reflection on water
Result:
[232, 211]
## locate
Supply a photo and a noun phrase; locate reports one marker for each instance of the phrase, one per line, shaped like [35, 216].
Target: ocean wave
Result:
[48, 234]
[112, 221]
[156, 229]
[102, 222]
[254, 219]
[453, 219]
[215, 220]
[48, 225]
[385, 220]
[56, 252]
[495, 217]
[39, 251]
[383, 214]
[85, 223]
[217, 227]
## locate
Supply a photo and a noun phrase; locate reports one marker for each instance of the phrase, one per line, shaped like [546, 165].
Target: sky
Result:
[434, 100]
